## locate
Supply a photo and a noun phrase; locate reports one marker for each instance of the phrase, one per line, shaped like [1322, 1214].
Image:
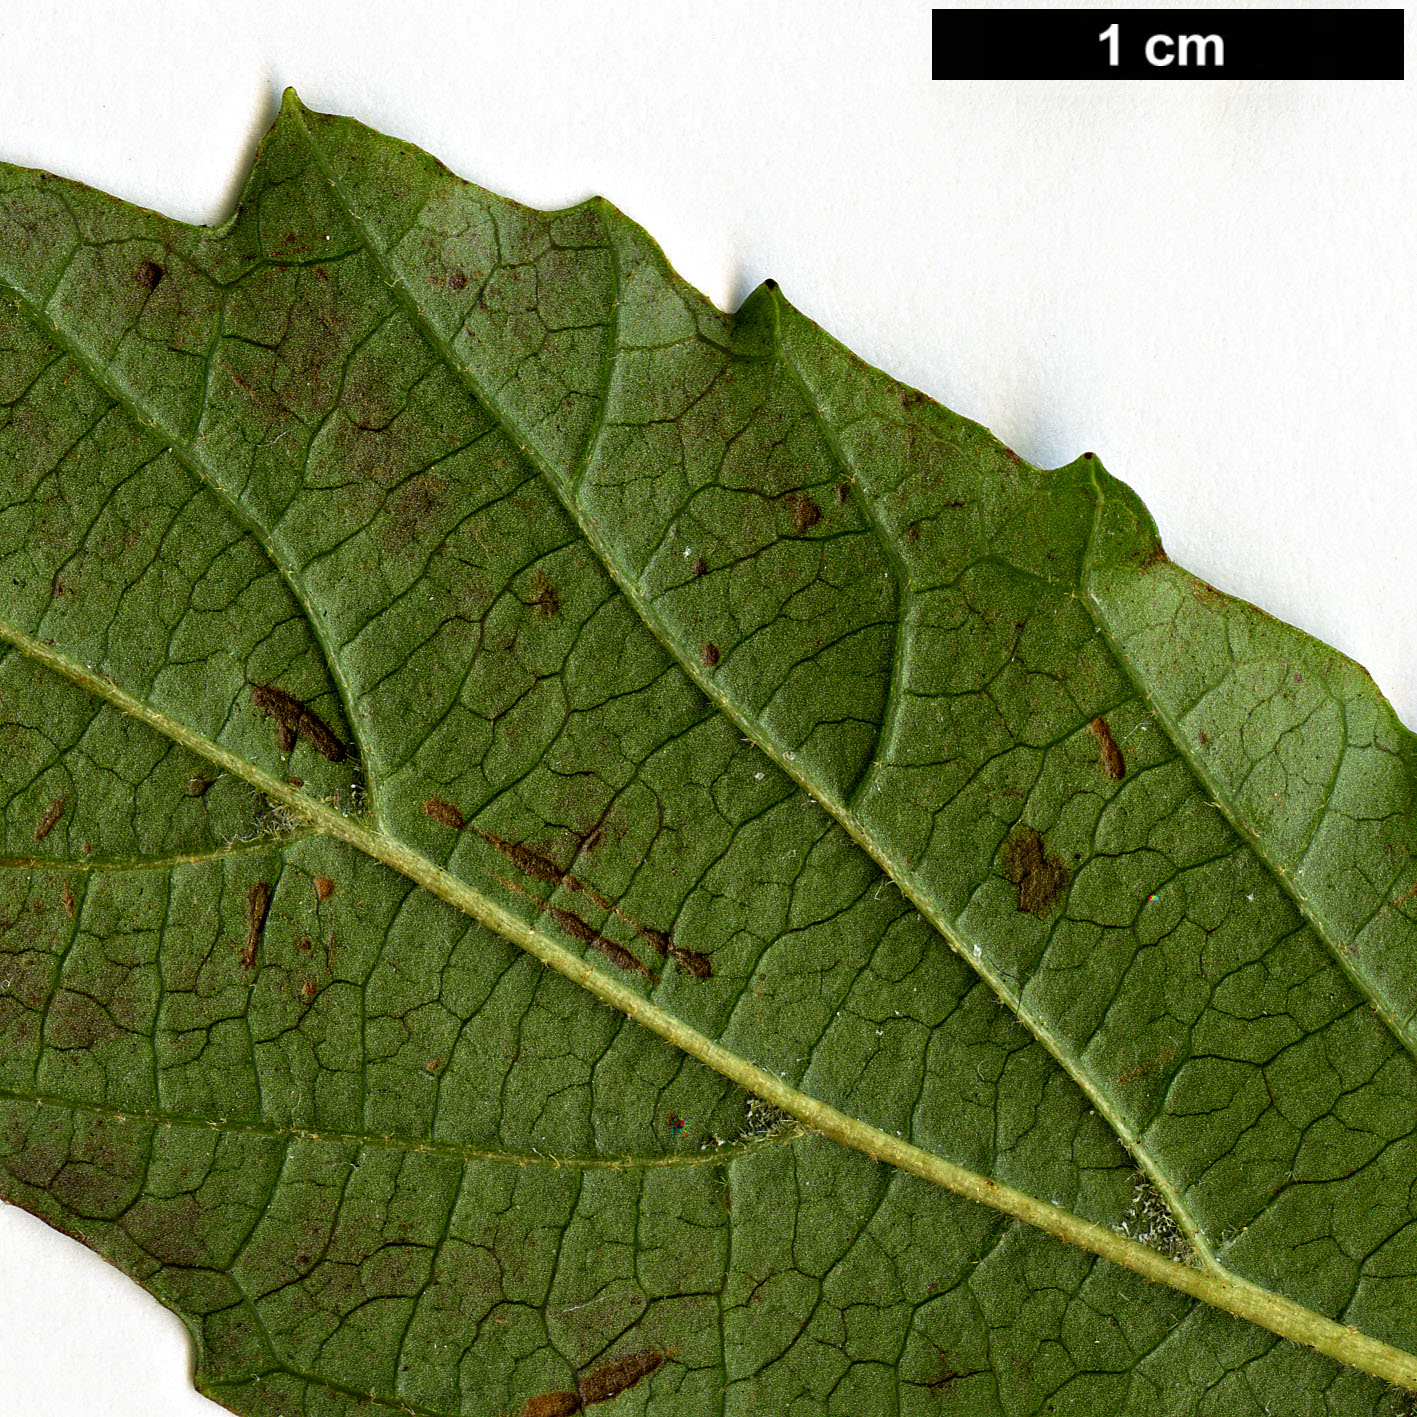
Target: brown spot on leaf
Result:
[692, 962]
[308, 991]
[657, 940]
[910, 397]
[912, 533]
[552, 1404]
[1112, 760]
[258, 902]
[457, 281]
[1039, 876]
[432, 1065]
[610, 1379]
[805, 512]
[197, 786]
[709, 655]
[149, 275]
[68, 899]
[617, 954]
[445, 813]
[841, 493]
[293, 717]
[544, 599]
[306, 945]
[51, 816]
[700, 566]
[324, 887]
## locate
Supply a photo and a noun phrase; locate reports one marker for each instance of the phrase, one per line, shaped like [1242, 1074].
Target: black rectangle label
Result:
[1167, 44]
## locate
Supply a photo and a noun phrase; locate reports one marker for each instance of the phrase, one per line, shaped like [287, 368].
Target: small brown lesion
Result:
[445, 813]
[294, 719]
[258, 902]
[1041, 876]
[51, 816]
[149, 275]
[709, 656]
[324, 887]
[544, 598]
[197, 786]
[607, 1380]
[1112, 760]
[585, 932]
[805, 512]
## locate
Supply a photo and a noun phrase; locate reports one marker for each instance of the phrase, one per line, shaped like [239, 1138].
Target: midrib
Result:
[1212, 1286]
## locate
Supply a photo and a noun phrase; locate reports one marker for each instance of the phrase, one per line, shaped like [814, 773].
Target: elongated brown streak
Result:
[543, 868]
[258, 902]
[292, 719]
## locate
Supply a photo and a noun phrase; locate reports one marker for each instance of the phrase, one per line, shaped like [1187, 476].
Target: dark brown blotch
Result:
[457, 281]
[1112, 760]
[1040, 876]
[51, 816]
[544, 599]
[700, 566]
[582, 930]
[197, 786]
[552, 1404]
[295, 718]
[258, 902]
[710, 656]
[445, 813]
[619, 1375]
[805, 512]
[149, 275]
[324, 887]
[692, 962]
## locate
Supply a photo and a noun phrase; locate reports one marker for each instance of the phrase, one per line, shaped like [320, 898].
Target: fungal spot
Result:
[617, 954]
[657, 940]
[805, 512]
[68, 899]
[1087, 457]
[445, 813]
[692, 962]
[306, 945]
[552, 1404]
[910, 397]
[432, 1065]
[1039, 876]
[197, 786]
[149, 275]
[709, 655]
[1202, 739]
[324, 887]
[51, 816]
[841, 493]
[258, 902]
[308, 991]
[457, 281]
[619, 1375]
[1112, 760]
[1151, 1066]
[912, 533]
[296, 781]
[544, 599]
[294, 718]
[700, 566]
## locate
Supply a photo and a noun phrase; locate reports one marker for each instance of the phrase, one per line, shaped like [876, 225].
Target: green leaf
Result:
[569, 851]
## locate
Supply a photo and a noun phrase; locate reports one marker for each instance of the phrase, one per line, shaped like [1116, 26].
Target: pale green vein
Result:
[244, 846]
[1218, 1288]
[710, 1155]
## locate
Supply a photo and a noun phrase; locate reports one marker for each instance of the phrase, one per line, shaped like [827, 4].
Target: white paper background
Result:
[1211, 284]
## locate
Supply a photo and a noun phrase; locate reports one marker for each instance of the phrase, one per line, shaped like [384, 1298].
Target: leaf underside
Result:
[402, 590]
